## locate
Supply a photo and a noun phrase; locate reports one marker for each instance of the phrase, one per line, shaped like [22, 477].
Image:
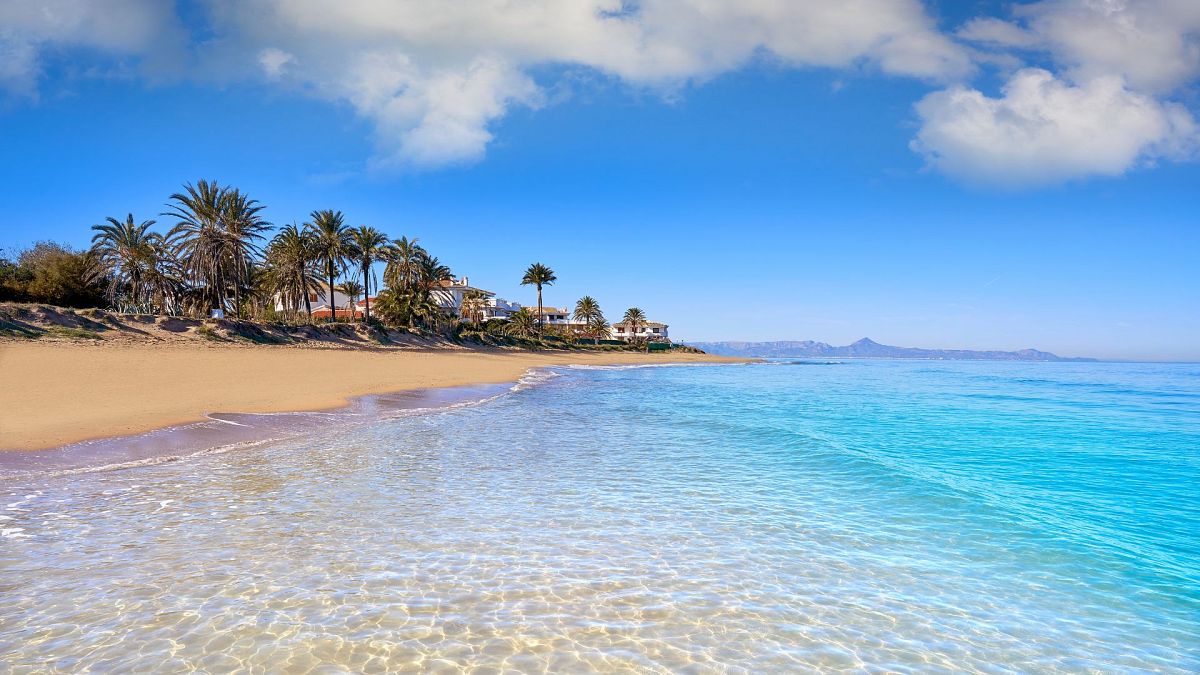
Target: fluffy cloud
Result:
[1044, 130]
[433, 77]
[433, 117]
[146, 29]
[1153, 44]
[1105, 111]
[273, 61]
[997, 33]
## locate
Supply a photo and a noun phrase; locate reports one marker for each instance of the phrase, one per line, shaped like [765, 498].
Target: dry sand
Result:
[55, 393]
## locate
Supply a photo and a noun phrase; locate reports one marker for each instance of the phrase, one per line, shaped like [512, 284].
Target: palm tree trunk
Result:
[367, 293]
[307, 305]
[220, 290]
[541, 317]
[332, 307]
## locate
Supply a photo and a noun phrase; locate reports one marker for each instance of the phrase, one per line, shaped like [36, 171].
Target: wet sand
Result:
[60, 393]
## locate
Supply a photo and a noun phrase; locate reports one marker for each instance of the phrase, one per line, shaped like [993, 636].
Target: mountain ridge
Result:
[868, 348]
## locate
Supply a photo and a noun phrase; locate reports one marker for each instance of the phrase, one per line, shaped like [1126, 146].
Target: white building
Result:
[561, 317]
[651, 330]
[499, 308]
[319, 301]
[449, 294]
[553, 316]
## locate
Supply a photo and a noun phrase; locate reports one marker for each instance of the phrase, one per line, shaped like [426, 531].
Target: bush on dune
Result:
[53, 274]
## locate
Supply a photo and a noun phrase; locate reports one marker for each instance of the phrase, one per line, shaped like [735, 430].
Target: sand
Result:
[56, 393]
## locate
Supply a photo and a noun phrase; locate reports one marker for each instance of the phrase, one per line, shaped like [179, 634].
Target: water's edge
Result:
[906, 517]
[222, 432]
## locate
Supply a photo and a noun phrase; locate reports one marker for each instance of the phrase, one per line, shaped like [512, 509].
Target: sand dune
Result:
[56, 393]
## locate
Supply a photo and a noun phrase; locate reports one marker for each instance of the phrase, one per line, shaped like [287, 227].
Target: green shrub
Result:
[53, 274]
[75, 333]
[208, 333]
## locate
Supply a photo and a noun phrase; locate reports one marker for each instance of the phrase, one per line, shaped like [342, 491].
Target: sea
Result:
[791, 516]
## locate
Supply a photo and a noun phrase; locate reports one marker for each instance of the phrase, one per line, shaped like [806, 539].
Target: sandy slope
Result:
[54, 393]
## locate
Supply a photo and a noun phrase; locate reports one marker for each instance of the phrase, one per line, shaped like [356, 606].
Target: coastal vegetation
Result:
[587, 311]
[539, 275]
[634, 320]
[215, 255]
[290, 272]
[331, 245]
[370, 246]
[54, 274]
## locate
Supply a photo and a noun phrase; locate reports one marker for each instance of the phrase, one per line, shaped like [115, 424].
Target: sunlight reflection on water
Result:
[872, 515]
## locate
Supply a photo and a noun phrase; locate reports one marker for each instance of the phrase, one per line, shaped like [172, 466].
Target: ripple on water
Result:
[870, 516]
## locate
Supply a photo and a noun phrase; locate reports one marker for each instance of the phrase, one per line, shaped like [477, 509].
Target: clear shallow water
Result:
[868, 515]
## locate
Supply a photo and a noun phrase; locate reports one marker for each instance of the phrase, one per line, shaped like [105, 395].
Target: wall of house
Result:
[645, 331]
[340, 301]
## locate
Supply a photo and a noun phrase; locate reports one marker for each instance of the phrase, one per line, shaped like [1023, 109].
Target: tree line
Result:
[217, 255]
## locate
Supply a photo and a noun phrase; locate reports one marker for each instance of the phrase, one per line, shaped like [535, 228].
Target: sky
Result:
[963, 174]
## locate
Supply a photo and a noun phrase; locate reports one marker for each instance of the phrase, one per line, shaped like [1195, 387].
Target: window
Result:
[654, 329]
[312, 297]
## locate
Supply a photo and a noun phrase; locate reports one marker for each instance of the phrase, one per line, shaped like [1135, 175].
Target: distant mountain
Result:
[867, 347]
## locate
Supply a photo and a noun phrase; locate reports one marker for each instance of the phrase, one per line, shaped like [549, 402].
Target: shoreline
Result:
[66, 393]
[219, 433]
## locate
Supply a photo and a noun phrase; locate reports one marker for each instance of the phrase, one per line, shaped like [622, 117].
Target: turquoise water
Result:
[785, 517]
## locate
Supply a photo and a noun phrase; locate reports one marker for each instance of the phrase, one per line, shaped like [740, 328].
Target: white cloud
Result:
[18, 65]
[1153, 44]
[1104, 111]
[1044, 130]
[273, 61]
[994, 32]
[432, 118]
[434, 76]
[145, 29]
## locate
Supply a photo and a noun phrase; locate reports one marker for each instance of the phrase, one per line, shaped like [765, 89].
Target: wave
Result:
[147, 461]
[239, 431]
[193, 440]
[636, 366]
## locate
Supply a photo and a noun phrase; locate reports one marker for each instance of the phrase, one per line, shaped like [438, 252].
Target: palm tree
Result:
[370, 246]
[243, 227]
[404, 257]
[352, 290]
[634, 320]
[425, 311]
[427, 308]
[587, 309]
[521, 323]
[125, 250]
[258, 295]
[431, 272]
[332, 245]
[539, 275]
[390, 308]
[161, 277]
[198, 239]
[597, 327]
[410, 309]
[473, 302]
[293, 275]
[412, 276]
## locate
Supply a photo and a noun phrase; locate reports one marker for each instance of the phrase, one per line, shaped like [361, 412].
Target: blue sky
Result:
[975, 180]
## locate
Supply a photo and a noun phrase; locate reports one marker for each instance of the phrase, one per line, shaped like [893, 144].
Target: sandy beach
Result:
[64, 392]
